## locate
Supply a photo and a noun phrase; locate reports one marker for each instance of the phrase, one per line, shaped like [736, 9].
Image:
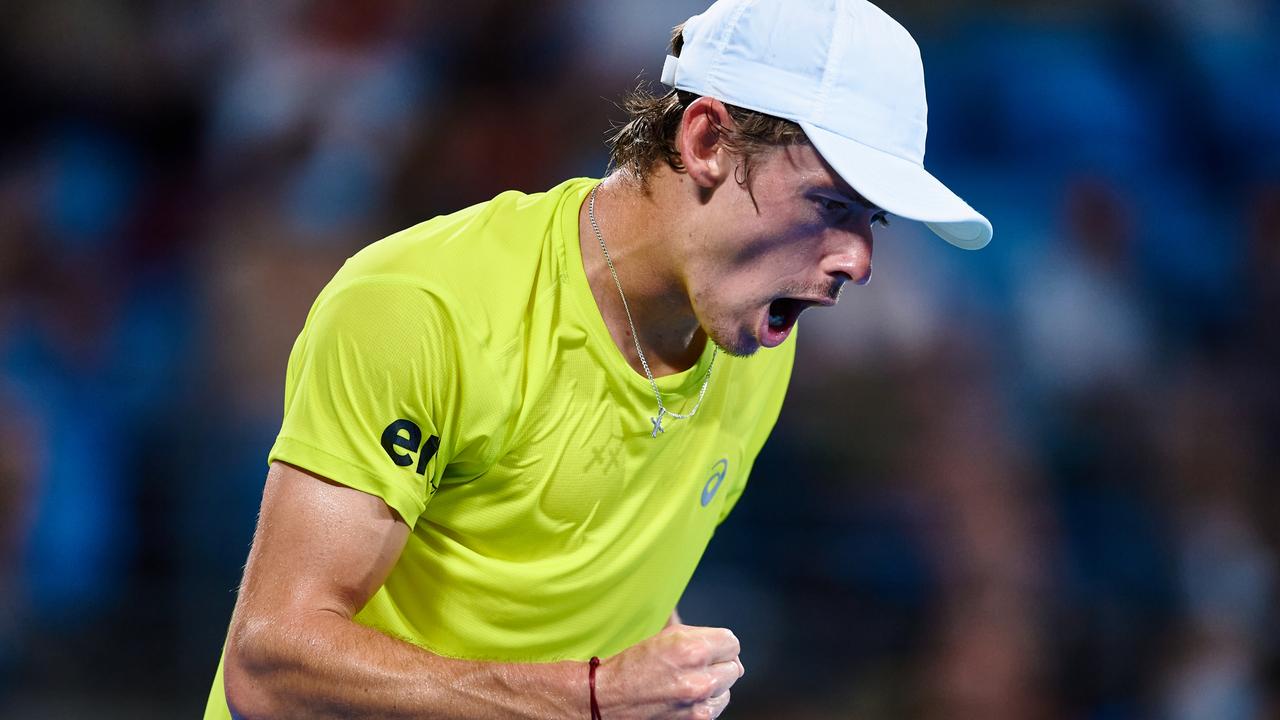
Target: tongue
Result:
[781, 312]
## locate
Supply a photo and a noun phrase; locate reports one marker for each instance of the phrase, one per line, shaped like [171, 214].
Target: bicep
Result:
[319, 546]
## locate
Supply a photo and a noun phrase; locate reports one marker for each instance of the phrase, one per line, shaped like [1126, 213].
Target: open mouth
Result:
[783, 314]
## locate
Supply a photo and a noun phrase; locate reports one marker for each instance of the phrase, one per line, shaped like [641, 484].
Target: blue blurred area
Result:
[1037, 481]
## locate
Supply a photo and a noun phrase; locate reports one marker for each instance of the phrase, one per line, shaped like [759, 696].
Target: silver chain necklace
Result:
[662, 409]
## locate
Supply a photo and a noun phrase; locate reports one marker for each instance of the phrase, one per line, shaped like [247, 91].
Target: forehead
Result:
[802, 166]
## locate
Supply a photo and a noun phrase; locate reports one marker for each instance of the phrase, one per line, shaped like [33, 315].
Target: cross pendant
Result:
[657, 425]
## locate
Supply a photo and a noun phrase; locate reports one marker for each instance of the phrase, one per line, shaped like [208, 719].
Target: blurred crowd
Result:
[1035, 481]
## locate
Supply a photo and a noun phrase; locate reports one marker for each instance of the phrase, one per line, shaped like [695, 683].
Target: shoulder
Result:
[483, 262]
[385, 360]
[483, 242]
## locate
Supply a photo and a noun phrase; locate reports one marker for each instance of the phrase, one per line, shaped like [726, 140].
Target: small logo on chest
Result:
[605, 457]
[712, 486]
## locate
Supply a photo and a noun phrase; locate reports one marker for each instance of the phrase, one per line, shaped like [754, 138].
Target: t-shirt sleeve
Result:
[371, 392]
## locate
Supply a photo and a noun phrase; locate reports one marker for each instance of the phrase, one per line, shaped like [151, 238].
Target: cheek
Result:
[751, 277]
[776, 233]
[784, 252]
[724, 300]
[756, 258]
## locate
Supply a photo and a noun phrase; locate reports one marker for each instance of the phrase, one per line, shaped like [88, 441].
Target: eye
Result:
[832, 206]
[881, 218]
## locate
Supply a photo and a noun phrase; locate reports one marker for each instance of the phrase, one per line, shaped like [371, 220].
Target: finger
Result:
[724, 675]
[711, 707]
[721, 643]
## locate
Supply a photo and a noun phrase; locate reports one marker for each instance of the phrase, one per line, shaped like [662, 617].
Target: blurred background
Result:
[1036, 481]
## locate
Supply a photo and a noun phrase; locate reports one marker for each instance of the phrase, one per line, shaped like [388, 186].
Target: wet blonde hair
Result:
[649, 135]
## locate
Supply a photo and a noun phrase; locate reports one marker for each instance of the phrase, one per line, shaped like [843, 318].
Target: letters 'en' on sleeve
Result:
[372, 392]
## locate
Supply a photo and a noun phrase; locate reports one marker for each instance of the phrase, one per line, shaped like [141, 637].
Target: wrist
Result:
[592, 667]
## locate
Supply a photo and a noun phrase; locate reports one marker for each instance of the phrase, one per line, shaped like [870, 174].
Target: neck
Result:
[643, 250]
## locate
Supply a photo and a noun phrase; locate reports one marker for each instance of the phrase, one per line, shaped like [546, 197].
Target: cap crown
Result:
[842, 65]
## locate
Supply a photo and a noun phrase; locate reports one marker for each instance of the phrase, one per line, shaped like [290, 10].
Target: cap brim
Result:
[903, 188]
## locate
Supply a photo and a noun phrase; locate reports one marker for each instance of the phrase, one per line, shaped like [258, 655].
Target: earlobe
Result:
[701, 142]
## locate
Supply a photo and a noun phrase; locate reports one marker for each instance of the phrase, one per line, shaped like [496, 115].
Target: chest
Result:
[580, 467]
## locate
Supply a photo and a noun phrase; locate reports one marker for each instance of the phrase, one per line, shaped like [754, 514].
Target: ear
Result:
[701, 142]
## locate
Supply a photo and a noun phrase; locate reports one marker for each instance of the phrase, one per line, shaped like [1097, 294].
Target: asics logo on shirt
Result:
[407, 436]
[714, 482]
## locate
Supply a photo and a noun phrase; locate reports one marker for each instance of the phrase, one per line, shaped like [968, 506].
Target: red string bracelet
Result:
[595, 707]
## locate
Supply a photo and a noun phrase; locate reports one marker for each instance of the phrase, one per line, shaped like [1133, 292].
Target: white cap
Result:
[850, 76]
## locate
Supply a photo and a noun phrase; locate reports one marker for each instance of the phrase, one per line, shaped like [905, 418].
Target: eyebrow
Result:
[852, 195]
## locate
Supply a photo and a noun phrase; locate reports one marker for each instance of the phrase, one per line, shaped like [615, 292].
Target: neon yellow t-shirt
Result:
[460, 370]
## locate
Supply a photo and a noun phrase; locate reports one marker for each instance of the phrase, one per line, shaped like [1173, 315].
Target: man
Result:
[510, 432]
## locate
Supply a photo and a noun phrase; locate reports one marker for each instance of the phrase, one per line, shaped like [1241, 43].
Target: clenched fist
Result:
[682, 672]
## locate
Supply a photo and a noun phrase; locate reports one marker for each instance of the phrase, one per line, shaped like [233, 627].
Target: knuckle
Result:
[733, 641]
[694, 652]
[693, 688]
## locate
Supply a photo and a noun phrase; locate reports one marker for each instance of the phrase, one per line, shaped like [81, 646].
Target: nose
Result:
[849, 254]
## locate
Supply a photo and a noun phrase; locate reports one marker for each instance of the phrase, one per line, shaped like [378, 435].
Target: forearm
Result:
[324, 665]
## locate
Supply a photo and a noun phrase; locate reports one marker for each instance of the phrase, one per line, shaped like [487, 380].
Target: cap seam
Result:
[714, 75]
[833, 55]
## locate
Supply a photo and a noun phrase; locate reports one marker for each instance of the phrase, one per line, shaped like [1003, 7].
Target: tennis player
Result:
[510, 432]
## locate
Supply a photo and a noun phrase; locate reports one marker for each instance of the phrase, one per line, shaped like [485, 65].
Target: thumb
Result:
[671, 627]
[672, 622]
